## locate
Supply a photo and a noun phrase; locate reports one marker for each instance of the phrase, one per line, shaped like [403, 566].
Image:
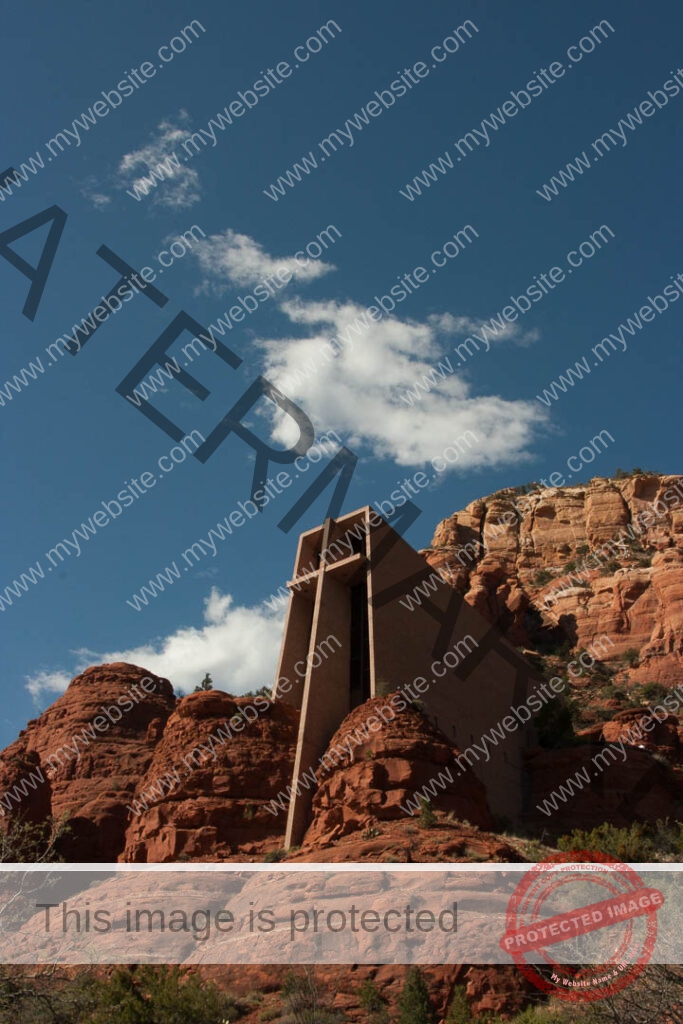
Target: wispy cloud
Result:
[180, 187]
[237, 645]
[94, 195]
[357, 391]
[232, 258]
[461, 326]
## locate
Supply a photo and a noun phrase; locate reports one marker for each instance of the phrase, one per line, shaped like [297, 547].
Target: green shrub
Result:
[459, 1010]
[371, 832]
[641, 841]
[371, 999]
[426, 817]
[654, 691]
[304, 1003]
[46, 995]
[161, 995]
[533, 849]
[542, 577]
[263, 691]
[414, 1006]
[28, 842]
[556, 645]
[631, 656]
[601, 714]
[373, 1002]
[615, 693]
[273, 856]
[549, 1015]
[554, 723]
[601, 670]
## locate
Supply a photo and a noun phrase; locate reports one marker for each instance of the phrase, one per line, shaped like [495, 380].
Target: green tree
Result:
[44, 995]
[29, 842]
[459, 1010]
[161, 995]
[304, 1002]
[554, 723]
[206, 684]
[413, 1004]
[373, 1002]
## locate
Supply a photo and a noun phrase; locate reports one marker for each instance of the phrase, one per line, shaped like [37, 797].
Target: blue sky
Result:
[70, 441]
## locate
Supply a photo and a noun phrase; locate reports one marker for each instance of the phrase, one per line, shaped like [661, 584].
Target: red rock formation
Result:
[402, 841]
[494, 554]
[620, 791]
[491, 992]
[217, 803]
[368, 781]
[632, 590]
[217, 808]
[90, 762]
[660, 737]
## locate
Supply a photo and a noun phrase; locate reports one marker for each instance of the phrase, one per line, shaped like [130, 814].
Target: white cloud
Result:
[358, 390]
[178, 184]
[231, 257]
[98, 199]
[460, 326]
[41, 683]
[239, 646]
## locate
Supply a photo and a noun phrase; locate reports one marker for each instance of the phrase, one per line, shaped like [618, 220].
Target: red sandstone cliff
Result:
[217, 804]
[89, 775]
[372, 781]
[565, 556]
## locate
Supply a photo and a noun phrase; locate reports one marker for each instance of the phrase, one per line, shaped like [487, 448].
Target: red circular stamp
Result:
[581, 926]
